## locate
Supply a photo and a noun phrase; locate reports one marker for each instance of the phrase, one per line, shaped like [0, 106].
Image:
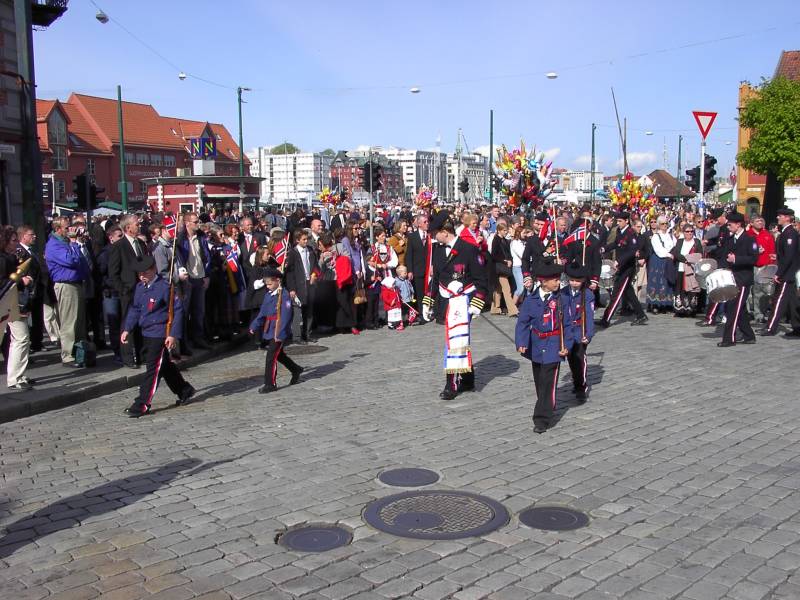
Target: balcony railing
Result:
[45, 12]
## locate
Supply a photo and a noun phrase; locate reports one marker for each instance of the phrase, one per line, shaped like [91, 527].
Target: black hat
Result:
[549, 270]
[786, 212]
[622, 214]
[542, 216]
[716, 213]
[576, 271]
[272, 272]
[735, 217]
[143, 263]
[440, 220]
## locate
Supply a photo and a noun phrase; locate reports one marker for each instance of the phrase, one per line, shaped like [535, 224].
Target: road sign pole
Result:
[702, 169]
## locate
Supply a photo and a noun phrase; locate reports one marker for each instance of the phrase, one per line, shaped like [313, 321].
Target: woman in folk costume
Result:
[459, 281]
[687, 289]
[381, 260]
[660, 290]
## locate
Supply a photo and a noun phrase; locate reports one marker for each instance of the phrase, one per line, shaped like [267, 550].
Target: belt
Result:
[577, 322]
[546, 334]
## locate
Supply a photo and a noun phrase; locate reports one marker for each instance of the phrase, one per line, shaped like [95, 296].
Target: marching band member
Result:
[626, 245]
[578, 300]
[785, 296]
[740, 252]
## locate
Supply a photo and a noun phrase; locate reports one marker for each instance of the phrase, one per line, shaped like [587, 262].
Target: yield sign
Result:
[704, 121]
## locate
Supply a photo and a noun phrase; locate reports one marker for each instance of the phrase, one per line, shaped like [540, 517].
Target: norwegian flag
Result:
[170, 225]
[233, 264]
[578, 234]
[412, 314]
[280, 250]
[548, 229]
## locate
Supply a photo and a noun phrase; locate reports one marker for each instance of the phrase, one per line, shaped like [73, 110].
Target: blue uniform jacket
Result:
[150, 310]
[269, 313]
[573, 316]
[538, 329]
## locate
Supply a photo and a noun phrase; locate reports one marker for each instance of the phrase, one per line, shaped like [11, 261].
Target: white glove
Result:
[297, 301]
[427, 313]
[474, 310]
[258, 284]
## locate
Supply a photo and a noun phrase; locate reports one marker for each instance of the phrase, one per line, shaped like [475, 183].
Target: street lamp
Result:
[648, 133]
[552, 75]
[102, 17]
[239, 91]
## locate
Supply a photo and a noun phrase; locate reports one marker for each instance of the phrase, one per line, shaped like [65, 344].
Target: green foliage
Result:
[285, 148]
[329, 152]
[773, 116]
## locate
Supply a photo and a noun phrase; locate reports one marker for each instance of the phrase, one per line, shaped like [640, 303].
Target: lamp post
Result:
[239, 91]
[123, 185]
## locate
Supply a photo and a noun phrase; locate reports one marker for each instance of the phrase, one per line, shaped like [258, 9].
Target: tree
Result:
[285, 148]
[773, 118]
[329, 152]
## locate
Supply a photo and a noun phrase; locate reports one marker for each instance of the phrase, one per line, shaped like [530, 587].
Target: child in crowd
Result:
[391, 303]
[406, 290]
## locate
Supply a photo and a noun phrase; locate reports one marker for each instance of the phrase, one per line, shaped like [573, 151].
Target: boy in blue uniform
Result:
[274, 324]
[578, 301]
[541, 339]
[150, 311]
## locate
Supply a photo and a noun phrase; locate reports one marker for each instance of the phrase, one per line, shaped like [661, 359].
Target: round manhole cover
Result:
[408, 477]
[553, 518]
[436, 515]
[315, 538]
[299, 349]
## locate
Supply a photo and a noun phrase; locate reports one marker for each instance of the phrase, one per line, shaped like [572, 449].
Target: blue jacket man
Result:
[578, 299]
[65, 261]
[150, 311]
[538, 338]
[276, 328]
[195, 287]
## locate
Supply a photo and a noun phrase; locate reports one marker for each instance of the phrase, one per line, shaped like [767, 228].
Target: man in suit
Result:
[92, 287]
[339, 220]
[627, 245]
[417, 261]
[249, 241]
[715, 242]
[122, 274]
[785, 296]
[740, 253]
[27, 238]
[301, 262]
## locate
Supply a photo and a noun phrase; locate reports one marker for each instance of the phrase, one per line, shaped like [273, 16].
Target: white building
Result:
[290, 177]
[471, 167]
[420, 167]
[580, 181]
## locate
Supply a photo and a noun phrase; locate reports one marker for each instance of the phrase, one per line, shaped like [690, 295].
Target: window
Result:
[169, 161]
[90, 166]
[130, 158]
[155, 160]
[61, 190]
[142, 159]
[58, 162]
[57, 130]
[142, 187]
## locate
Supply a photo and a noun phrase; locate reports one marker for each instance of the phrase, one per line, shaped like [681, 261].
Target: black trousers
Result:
[275, 355]
[37, 322]
[457, 382]
[578, 365]
[94, 322]
[304, 315]
[371, 316]
[713, 310]
[545, 381]
[623, 289]
[736, 317]
[131, 352]
[159, 365]
[784, 298]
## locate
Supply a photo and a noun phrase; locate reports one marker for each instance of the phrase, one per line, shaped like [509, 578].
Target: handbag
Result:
[360, 296]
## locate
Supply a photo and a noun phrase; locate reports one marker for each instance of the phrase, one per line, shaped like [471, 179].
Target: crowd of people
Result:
[345, 273]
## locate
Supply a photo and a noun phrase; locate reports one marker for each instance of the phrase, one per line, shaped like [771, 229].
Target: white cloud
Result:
[482, 150]
[551, 153]
[639, 161]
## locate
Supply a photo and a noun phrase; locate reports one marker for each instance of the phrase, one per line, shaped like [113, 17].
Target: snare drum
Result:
[721, 286]
[607, 272]
[704, 268]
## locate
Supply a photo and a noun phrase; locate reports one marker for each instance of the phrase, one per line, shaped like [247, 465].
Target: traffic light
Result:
[377, 177]
[79, 190]
[463, 187]
[343, 195]
[93, 193]
[710, 172]
[693, 179]
[365, 175]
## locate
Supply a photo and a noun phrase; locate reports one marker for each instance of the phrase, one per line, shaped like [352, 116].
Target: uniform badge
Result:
[755, 247]
[151, 304]
[552, 305]
[789, 241]
[480, 259]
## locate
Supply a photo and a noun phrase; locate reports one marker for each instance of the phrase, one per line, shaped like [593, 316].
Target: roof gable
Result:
[789, 65]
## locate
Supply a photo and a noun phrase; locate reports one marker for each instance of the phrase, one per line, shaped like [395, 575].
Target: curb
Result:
[26, 408]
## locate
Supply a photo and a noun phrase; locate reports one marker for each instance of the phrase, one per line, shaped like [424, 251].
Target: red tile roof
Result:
[789, 65]
[43, 108]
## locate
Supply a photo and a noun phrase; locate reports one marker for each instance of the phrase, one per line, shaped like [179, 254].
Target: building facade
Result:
[81, 135]
[347, 173]
[419, 167]
[290, 177]
[469, 167]
[581, 181]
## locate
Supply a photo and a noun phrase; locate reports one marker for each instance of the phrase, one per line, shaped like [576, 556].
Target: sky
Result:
[338, 74]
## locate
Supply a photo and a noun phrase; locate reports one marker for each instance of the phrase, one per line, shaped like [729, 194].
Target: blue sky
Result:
[337, 74]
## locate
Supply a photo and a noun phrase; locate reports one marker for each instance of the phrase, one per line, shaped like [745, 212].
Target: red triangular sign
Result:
[704, 121]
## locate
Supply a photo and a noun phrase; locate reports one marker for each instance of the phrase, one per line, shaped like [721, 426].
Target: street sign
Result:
[203, 147]
[704, 121]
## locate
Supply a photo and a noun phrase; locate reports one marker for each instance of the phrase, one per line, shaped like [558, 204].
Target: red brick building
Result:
[82, 135]
[347, 173]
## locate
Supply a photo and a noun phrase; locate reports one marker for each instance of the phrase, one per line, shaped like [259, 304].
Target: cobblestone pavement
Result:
[687, 458]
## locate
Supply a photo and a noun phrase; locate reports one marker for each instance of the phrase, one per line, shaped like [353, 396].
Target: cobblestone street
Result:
[686, 458]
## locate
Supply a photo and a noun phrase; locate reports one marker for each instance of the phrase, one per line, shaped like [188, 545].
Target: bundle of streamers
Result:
[630, 194]
[426, 197]
[329, 198]
[523, 176]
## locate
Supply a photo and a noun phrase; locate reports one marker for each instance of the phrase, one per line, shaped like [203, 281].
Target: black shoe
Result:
[726, 344]
[539, 428]
[267, 389]
[202, 344]
[73, 365]
[136, 410]
[581, 396]
[417, 322]
[448, 394]
[185, 397]
[603, 324]
[792, 334]
[296, 376]
[22, 385]
[766, 332]
[705, 324]
[640, 321]
[749, 341]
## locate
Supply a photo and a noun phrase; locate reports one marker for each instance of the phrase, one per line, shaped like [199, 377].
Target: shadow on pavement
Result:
[493, 366]
[72, 511]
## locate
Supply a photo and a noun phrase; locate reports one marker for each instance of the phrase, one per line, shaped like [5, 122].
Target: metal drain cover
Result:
[315, 538]
[408, 477]
[436, 515]
[553, 518]
[298, 349]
